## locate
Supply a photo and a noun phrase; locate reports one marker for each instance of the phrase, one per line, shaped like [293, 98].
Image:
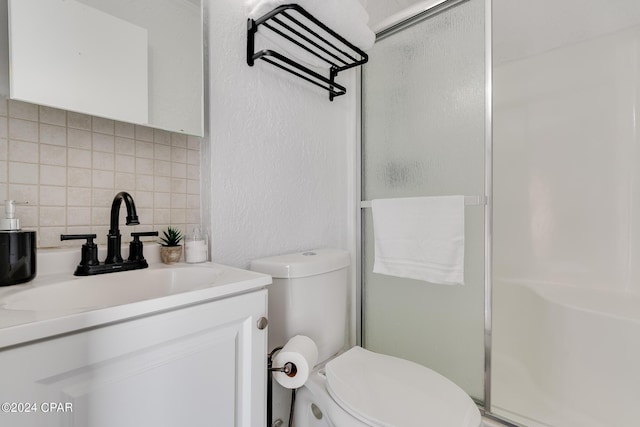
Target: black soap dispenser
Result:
[17, 249]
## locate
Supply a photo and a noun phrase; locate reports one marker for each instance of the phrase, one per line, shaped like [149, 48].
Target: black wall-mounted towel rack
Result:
[313, 37]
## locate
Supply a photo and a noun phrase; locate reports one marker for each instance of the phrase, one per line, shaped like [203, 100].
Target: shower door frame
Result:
[428, 10]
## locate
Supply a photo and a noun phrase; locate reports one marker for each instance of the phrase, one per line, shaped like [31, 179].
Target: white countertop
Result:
[55, 266]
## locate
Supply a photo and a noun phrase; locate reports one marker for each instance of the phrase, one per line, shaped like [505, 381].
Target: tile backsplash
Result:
[69, 166]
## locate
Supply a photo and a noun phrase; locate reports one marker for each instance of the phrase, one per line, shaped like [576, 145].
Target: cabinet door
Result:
[204, 365]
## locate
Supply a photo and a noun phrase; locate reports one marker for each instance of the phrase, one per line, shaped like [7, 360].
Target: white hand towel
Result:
[346, 17]
[420, 238]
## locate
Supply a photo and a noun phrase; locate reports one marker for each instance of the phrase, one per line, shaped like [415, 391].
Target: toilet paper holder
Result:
[290, 369]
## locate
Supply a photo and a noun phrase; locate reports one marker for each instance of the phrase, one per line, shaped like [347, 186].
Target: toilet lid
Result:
[387, 391]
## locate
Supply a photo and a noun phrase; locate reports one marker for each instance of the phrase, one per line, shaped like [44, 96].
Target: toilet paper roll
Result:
[300, 351]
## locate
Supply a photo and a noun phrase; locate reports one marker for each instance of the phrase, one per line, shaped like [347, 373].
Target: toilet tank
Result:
[308, 296]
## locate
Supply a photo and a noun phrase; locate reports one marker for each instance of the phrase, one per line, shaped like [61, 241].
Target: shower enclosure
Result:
[424, 120]
[531, 110]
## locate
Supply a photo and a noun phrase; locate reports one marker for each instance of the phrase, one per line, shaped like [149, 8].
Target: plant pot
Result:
[170, 254]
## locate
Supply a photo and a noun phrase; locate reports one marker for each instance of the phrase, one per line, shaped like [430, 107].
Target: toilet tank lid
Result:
[302, 264]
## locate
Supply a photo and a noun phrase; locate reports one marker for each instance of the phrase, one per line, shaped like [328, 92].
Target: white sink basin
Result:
[112, 289]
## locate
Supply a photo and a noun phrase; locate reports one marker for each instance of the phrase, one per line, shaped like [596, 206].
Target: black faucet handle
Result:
[88, 237]
[136, 236]
[135, 247]
[89, 249]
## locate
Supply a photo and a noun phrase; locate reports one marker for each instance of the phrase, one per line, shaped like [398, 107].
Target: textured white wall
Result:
[280, 151]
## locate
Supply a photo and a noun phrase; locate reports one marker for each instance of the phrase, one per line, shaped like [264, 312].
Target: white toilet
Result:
[357, 387]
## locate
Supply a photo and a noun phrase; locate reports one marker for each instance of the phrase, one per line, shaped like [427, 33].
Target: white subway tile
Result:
[51, 134]
[102, 197]
[81, 161]
[162, 168]
[77, 196]
[4, 127]
[193, 216]
[103, 143]
[23, 130]
[103, 161]
[53, 196]
[193, 171]
[161, 200]
[125, 181]
[53, 116]
[125, 146]
[79, 158]
[52, 216]
[126, 130]
[144, 166]
[102, 125]
[178, 216]
[23, 110]
[100, 216]
[144, 199]
[178, 201]
[21, 151]
[125, 163]
[78, 177]
[77, 216]
[28, 215]
[179, 140]
[53, 175]
[4, 106]
[178, 155]
[144, 182]
[49, 237]
[178, 170]
[24, 193]
[178, 185]
[193, 157]
[78, 121]
[23, 173]
[193, 186]
[78, 138]
[162, 152]
[162, 183]
[102, 179]
[193, 201]
[161, 137]
[53, 155]
[194, 143]
[144, 133]
[161, 216]
[144, 149]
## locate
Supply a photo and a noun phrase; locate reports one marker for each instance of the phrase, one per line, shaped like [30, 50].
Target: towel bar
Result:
[468, 201]
[306, 32]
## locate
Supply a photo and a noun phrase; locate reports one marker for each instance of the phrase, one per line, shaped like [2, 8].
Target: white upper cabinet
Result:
[136, 61]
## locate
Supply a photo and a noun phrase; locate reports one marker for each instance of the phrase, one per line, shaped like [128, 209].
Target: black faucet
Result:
[89, 264]
[114, 239]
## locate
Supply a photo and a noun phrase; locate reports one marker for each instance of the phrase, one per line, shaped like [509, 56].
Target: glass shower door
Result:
[424, 135]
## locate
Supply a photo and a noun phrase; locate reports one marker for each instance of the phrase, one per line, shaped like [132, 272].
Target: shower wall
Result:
[567, 223]
[567, 165]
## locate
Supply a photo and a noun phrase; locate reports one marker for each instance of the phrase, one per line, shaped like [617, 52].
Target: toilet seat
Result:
[385, 391]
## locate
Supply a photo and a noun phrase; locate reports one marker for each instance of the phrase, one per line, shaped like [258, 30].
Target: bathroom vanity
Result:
[191, 354]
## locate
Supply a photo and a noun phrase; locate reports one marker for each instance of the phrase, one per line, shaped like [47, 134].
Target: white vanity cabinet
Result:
[199, 365]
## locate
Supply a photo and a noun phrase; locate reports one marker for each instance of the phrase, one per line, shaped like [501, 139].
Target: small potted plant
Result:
[171, 250]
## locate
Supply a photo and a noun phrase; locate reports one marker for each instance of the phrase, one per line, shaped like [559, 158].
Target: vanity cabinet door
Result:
[204, 365]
